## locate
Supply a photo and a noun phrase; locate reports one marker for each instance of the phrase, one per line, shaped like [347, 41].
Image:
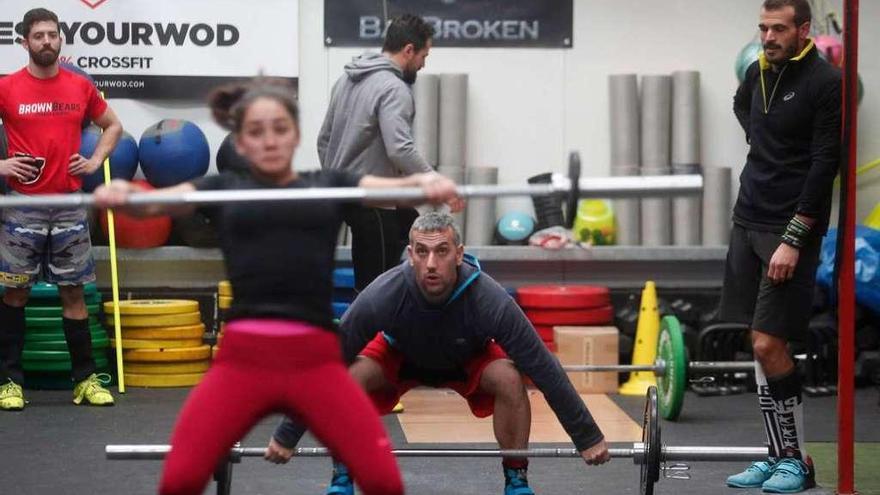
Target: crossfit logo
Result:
[93, 4]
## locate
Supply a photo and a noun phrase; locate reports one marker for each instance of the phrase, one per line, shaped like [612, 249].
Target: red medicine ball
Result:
[138, 233]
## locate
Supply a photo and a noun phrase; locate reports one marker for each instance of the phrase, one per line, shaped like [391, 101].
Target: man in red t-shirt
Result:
[42, 107]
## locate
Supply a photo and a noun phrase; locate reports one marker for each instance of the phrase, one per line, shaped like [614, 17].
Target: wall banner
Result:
[164, 49]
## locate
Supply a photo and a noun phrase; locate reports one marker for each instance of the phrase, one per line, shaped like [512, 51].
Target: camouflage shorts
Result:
[50, 244]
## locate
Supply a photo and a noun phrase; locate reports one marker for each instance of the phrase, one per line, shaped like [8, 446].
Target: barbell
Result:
[570, 189]
[671, 367]
[650, 454]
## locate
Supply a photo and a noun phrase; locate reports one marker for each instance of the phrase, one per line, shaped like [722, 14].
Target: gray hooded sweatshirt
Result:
[368, 127]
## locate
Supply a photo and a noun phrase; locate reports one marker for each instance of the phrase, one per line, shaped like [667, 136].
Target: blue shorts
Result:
[51, 244]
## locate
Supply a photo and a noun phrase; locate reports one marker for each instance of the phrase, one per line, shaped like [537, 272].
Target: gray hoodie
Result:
[438, 341]
[368, 127]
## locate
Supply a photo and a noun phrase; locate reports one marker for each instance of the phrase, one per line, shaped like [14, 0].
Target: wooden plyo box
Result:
[589, 345]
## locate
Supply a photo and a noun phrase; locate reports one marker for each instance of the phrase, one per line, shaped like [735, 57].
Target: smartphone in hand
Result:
[38, 162]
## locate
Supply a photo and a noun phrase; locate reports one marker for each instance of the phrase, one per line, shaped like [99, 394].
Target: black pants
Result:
[378, 238]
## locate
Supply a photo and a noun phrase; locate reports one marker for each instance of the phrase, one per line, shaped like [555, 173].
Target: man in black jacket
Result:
[789, 106]
[438, 320]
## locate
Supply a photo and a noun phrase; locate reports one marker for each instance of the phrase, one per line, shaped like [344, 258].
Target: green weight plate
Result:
[27, 355]
[57, 380]
[100, 362]
[56, 333]
[51, 322]
[90, 299]
[673, 383]
[61, 345]
[32, 337]
[42, 290]
[54, 311]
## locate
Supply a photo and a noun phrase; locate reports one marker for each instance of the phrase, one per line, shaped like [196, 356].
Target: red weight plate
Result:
[550, 317]
[545, 332]
[562, 296]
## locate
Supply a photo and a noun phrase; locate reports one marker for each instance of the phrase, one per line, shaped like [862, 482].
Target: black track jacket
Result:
[792, 122]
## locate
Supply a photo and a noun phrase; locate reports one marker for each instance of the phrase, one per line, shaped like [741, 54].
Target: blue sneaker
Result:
[340, 483]
[516, 482]
[789, 476]
[753, 477]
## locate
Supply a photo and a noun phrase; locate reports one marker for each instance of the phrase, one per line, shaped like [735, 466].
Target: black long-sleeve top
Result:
[792, 122]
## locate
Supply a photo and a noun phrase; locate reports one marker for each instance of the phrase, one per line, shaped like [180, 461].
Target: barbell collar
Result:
[720, 366]
[696, 453]
[619, 368]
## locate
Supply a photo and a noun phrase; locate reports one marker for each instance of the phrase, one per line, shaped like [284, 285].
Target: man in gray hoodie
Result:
[368, 130]
[438, 320]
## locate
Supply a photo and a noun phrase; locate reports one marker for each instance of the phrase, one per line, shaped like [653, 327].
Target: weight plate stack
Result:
[161, 342]
[45, 357]
[547, 306]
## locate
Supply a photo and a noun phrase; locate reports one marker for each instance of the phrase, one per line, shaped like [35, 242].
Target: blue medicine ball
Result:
[123, 159]
[514, 228]
[746, 57]
[173, 151]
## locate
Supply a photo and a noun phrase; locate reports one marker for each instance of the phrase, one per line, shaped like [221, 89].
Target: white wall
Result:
[529, 107]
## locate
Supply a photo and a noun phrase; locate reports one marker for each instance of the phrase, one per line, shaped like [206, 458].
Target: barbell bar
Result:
[659, 368]
[569, 188]
[650, 454]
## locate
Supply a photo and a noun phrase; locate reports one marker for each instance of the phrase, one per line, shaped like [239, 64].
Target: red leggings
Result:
[301, 376]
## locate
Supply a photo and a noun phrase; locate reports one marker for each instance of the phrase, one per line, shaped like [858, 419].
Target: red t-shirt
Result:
[43, 118]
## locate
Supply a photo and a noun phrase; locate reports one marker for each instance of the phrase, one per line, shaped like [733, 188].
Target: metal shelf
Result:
[614, 266]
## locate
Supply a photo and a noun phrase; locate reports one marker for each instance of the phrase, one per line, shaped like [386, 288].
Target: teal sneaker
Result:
[340, 483]
[790, 476]
[516, 482]
[753, 477]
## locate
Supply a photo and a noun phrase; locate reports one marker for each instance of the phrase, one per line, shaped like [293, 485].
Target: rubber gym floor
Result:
[54, 447]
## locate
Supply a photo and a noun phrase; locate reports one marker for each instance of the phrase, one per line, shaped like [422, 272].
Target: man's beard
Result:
[785, 53]
[409, 77]
[45, 57]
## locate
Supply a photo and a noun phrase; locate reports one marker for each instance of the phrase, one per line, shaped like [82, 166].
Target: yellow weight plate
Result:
[146, 333]
[159, 381]
[224, 288]
[153, 306]
[157, 343]
[166, 368]
[172, 355]
[174, 320]
[224, 302]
